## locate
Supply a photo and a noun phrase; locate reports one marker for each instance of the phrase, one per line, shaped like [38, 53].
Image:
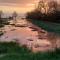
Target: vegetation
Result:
[14, 15]
[45, 11]
[48, 26]
[12, 51]
[3, 22]
[36, 15]
[48, 18]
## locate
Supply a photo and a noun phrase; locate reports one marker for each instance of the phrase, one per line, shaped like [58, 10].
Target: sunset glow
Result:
[17, 5]
[17, 9]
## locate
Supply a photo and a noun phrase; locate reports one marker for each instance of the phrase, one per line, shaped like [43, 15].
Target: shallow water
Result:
[25, 36]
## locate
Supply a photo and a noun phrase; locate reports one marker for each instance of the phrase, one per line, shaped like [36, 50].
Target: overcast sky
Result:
[18, 5]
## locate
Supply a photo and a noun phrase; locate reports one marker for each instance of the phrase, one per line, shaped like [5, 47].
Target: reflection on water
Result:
[28, 34]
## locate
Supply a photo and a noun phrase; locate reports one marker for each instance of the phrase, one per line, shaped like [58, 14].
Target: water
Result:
[25, 35]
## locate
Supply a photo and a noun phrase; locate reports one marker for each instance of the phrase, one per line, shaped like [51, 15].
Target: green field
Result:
[12, 51]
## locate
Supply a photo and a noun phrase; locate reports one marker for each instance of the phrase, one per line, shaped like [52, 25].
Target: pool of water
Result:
[25, 35]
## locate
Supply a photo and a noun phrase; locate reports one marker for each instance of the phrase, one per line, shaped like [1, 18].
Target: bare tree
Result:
[1, 14]
[52, 6]
[14, 15]
[47, 6]
[40, 5]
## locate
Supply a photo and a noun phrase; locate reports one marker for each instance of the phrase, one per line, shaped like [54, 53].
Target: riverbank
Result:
[47, 30]
[27, 43]
[48, 26]
[32, 36]
[12, 51]
[25, 36]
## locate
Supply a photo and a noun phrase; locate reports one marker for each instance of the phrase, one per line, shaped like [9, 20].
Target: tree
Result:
[1, 14]
[47, 6]
[46, 10]
[52, 6]
[14, 15]
[41, 6]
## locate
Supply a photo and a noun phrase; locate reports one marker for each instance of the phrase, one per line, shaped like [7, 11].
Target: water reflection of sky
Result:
[24, 35]
[20, 33]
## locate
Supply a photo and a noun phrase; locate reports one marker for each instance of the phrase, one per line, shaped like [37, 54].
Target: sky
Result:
[17, 5]
[21, 6]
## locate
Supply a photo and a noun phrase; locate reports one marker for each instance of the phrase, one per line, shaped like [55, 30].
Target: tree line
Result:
[46, 11]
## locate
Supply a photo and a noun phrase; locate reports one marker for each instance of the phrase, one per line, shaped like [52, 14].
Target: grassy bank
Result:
[12, 51]
[49, 26]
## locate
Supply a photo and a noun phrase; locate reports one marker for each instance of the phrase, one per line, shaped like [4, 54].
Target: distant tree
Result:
[41, 6]
[46, 10]
[1, 14]
[52, 6]
[46, 7]
[14, 15]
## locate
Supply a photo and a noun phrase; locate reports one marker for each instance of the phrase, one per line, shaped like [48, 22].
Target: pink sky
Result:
[18, 5]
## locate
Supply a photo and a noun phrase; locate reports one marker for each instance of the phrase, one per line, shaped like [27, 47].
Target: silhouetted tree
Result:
[52, 6]
[14, 15]
[1, 14]
[46, 11]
